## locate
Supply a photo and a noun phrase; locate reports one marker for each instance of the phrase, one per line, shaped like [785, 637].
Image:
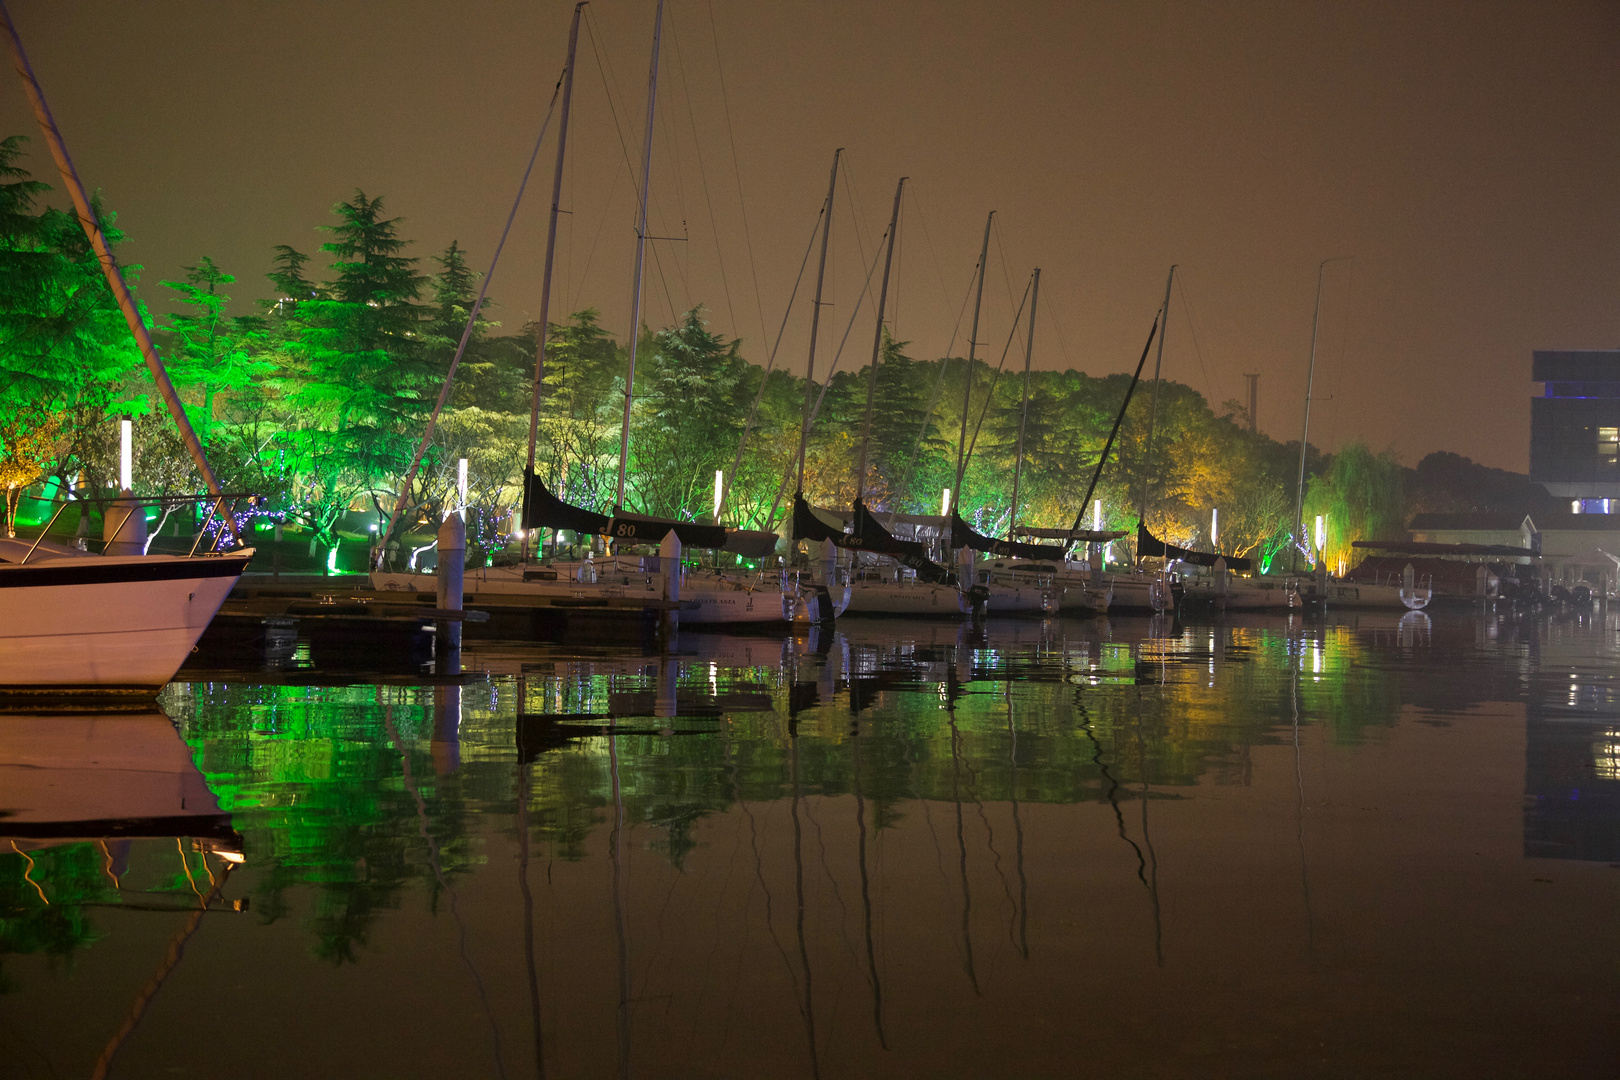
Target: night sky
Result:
[1466, 155]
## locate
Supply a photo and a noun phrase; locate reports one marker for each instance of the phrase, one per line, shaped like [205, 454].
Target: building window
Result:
[1608, 444]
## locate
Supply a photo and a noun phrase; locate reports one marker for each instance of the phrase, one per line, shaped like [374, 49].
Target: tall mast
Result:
[109, 265]
[973, 344]
[543, 333]
[1023, 416]
[877, 343]
[1153, 399]
[1305, 431]
[641, 247]
[815, 315]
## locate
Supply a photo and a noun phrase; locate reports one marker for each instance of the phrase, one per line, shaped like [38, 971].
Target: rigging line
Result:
[961, 846]
[466, 334]
[669, 299]
[944, 363]
[171, 958]
[899, 246]
[604, 67]
[838, 894]
[1198, 349]
[1299, 813]
[939, 274]
[989, 833]
[831, 370]
[866, 901]
[434, 861]
[1147, 840]
[1007, 277]
[1063, 347]
[708, 201]
[1338, 370]
[674, 143]
[1102, 459]
[736, 170]
[857, 216]
[1113, 796]
[725, 487]
[989, 395]
[620, 916]
[1021, 940]
[804, 952]
[528, 917]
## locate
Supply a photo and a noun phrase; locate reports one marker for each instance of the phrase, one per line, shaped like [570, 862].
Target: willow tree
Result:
[1361, 496]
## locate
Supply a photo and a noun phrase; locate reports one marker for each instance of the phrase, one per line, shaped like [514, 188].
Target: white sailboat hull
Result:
[93, 624]
[1021, 599]
[76, 776]
[906, 598]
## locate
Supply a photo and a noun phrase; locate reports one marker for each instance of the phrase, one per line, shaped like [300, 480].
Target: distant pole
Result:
[1023, 415]
[1254, 403]
[109, 265]
[877, 345]
[641, 249]
[1305, 431]
[815, 317]
[1153, 399]
[973, 343]
[542, 333]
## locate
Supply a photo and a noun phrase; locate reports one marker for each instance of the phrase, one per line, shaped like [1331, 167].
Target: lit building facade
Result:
[1575, 428]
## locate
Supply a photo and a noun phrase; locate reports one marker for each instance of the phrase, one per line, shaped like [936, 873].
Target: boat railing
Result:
[132, 504]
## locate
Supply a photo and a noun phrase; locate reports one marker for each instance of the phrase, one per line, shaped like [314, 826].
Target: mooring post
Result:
[123, 526]
[446, 728]
[669, 572]
[452, 560]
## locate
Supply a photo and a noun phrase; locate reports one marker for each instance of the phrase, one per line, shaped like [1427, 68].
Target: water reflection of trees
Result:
[318, 789]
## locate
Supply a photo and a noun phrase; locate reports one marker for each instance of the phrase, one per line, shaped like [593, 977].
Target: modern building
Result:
[1575, 428]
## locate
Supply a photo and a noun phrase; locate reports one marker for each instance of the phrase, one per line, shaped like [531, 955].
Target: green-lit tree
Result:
[691, 419]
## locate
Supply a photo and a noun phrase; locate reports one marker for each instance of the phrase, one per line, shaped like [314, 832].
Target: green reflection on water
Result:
[320, 780]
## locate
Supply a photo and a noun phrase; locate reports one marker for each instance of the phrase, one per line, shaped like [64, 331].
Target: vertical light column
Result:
[719, 490]
[1215, 527]
[461, 486]
[126, 455]
[944, 502]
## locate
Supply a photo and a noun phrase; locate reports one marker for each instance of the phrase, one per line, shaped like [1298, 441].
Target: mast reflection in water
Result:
[1259, 847]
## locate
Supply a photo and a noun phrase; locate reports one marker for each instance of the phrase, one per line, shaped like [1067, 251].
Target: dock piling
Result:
[452, 560]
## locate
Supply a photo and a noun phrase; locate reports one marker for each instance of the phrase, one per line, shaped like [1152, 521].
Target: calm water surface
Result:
[1260, 847]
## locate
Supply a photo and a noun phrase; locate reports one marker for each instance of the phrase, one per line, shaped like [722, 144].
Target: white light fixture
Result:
[1096, 515]
[945, 502]
[126, 455]
[719, 484]
[1215, 527]
[1321, 531]
[461, 486]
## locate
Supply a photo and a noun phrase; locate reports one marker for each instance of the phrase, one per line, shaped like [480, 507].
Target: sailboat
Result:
[706, 597]
[1007, 592]
[889, 576]
[1042, 569]
[106, 624]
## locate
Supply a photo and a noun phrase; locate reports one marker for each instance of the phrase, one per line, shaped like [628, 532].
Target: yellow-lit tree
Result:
[30, 443]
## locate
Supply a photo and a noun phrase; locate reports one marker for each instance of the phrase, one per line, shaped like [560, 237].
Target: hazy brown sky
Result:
[1466, 155]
